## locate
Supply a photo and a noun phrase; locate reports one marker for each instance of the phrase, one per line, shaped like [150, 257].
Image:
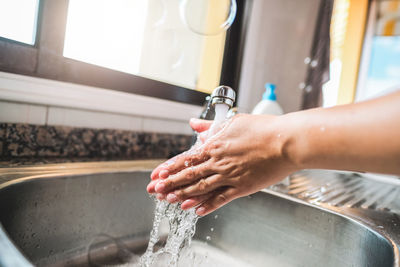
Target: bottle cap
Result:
[269, 93]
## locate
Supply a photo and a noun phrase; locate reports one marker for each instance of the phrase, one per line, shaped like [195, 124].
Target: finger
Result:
[200, 125]
[203, 136]
[161, 170]
[187, 159]
[185, 177]
[160, 196]
[151, 186]
[194, 201]
[156, 172]
[203, 186]
[217, 201]
[171, 198]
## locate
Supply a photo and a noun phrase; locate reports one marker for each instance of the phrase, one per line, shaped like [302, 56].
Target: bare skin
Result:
[255, 151]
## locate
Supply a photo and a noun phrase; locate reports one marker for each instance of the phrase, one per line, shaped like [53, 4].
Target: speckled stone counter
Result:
[21, 143]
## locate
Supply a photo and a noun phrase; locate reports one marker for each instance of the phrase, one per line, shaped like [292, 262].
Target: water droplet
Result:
[279, 135]
[186, 163]
[216, 216]
[212, 229]
[302, 86]
[314, 63]
[208, 238]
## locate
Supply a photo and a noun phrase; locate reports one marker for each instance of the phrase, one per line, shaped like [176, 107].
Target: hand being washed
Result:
[252, 152]
[245, 156]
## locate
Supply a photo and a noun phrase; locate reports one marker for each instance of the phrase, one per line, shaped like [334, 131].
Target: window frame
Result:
[45, 58]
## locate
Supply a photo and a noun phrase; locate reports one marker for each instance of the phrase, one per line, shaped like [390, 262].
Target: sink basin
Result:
[53, 220]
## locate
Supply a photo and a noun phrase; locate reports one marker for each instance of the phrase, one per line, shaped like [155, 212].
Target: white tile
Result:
[22, 113]
[92, 119]
[166, 126]
[26, 89]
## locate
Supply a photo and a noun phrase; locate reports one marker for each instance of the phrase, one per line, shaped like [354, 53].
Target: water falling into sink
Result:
[182, 223]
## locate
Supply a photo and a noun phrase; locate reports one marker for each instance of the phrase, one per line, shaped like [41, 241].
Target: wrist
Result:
[294, 145]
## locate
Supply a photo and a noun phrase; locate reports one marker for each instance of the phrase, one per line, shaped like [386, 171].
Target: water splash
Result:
[182, 223]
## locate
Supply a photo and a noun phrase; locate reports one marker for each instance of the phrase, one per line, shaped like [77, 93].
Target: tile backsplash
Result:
[92, 119]
[13, 112]
[22, 113]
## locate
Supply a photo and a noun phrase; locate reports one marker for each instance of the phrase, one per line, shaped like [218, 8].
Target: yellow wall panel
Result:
[352, 48]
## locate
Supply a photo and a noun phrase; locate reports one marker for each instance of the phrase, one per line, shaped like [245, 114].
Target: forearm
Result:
[360, 137]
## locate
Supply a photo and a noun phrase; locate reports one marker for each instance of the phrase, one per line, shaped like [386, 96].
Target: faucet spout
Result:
[223, 95]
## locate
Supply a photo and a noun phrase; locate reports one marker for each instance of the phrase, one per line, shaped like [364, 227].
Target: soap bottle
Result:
[268, 104]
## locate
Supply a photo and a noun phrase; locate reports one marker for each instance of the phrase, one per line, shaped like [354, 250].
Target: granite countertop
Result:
[26, 144]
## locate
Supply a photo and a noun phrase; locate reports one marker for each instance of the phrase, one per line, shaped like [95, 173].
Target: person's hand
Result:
[244, 157]
[252, 152]
[198, 125]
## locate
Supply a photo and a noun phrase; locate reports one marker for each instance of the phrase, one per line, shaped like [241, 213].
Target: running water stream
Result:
[182, 223]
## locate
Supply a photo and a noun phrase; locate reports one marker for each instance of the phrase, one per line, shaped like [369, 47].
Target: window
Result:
[380, 68]
[135, 46]
[133, 36]
[112, 37]
[384, 66]
[18, 20]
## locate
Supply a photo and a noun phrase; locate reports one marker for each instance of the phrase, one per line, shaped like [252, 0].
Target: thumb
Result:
[200, 125]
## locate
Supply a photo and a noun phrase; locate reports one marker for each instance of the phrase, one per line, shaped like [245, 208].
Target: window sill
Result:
[26, 89]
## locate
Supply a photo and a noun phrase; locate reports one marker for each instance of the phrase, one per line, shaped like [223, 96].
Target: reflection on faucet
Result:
[208, 112]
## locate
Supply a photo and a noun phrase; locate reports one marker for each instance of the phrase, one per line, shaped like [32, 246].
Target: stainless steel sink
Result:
[52, 216]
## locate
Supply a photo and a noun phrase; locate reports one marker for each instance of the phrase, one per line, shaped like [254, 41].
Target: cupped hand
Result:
[161, 172]
[245, 156]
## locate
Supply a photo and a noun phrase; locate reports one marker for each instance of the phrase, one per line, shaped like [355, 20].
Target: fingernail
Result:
[149, 187]
[187, 204]
[164, 174]
[170, 162]
[171, 198]
[200, 211]
[160, 187]
[160, 196]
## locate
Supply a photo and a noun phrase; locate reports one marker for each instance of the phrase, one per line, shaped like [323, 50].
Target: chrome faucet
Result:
[223, 95]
